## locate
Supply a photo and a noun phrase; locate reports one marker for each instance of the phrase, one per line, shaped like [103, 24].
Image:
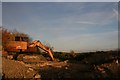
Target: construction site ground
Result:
[39, 68]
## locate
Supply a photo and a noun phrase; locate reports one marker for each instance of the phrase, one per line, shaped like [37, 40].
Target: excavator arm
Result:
[45, 48]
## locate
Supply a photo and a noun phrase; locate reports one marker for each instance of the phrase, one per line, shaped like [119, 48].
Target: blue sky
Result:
[0, 14]
[78, 26]
[59, 0]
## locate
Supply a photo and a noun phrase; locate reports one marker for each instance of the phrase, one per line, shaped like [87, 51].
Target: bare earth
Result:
[33, 67]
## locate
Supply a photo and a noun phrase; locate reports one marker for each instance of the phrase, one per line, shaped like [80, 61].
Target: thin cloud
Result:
[115, 11]
[116, 14]
[83, 42]
[85, 22]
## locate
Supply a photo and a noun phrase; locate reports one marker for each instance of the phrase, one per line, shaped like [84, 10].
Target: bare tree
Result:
[48, 45]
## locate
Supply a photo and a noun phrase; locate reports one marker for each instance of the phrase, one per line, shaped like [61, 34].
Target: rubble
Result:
[14, 69]
[37, 76]
[37, 67]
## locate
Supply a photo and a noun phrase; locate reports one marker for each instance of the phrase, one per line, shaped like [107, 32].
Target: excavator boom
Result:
[45, 48]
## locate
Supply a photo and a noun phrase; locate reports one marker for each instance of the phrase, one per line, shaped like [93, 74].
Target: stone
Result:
[117, 61]
[37, 76]
[66, 67]
[10, 57]
[31, 69]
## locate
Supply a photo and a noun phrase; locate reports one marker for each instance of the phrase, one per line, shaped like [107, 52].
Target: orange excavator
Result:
[20, 44]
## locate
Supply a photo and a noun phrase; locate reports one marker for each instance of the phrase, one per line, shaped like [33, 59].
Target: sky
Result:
[59, 0]
[0, 14]
[78, 26]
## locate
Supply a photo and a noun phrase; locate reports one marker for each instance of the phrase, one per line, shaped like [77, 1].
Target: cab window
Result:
[24, 39]
[17, 38]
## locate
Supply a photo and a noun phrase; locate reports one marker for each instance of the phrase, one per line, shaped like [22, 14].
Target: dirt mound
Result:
[110, 69]
[15, 69]
[33, 58]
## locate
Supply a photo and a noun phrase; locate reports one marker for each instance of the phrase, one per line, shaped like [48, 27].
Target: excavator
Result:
[19, 43]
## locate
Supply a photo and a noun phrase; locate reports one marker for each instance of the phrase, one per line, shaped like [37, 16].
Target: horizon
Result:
[81, 27]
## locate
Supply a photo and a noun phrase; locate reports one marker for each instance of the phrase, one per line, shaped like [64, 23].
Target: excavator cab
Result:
[19, 38]
[16, 43]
